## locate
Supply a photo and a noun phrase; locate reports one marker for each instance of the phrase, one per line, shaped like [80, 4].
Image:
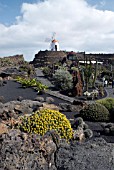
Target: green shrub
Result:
[95, 112]
[44, 120]
[47, 71]
[27, 68]
[63, 79]
[109, 104]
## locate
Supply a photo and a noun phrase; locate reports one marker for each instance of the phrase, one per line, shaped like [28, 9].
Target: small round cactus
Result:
[85, 126]
[78, 122]
[88, 133]
[112, 130]
[106, 130]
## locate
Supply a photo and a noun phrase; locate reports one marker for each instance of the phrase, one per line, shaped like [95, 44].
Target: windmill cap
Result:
[54, 41]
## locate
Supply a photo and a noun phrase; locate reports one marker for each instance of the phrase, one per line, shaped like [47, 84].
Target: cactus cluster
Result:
[44, 120]
[108, 128]
[95, 112]
[82, 130]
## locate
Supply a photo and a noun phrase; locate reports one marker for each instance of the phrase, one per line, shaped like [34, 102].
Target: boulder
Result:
[3, 128]
[64, 107]
[50, 106]
[49, 100]
[40, 99]
[27, 151]
[2, 99]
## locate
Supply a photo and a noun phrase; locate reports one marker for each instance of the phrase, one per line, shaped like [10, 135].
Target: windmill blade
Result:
[47, 39]
[53, 36]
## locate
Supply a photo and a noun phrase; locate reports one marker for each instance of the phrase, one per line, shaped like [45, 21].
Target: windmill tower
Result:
[54, 43]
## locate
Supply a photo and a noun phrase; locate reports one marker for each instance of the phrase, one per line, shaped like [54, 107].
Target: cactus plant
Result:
[95, 112]
[88, 133]
[109, 104]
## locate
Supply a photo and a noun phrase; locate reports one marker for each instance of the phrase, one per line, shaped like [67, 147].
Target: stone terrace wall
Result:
[44, 58]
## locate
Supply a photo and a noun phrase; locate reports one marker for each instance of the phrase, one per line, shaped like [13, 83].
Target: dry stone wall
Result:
[44, 58]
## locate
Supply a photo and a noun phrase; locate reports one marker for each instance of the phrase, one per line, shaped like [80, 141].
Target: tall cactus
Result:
[95, 74]
[88, 73]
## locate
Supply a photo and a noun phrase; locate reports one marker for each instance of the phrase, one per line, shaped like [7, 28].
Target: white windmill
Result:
[54, 44]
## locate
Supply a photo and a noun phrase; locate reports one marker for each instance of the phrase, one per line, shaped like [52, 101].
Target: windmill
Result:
[54, 45]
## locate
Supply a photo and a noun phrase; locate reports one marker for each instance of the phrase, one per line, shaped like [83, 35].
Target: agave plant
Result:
[41, 87]
[32, 83]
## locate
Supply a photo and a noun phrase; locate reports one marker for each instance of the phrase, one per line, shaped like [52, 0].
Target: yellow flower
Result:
[42, 121]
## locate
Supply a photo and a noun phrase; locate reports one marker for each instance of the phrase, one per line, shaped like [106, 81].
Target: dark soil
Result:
[12, 90]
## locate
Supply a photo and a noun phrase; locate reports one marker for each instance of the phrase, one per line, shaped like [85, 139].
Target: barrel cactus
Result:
[44, 120]
[95, 112]
[109, 104]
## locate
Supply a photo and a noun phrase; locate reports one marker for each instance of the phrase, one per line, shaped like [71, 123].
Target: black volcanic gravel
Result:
[12, 90]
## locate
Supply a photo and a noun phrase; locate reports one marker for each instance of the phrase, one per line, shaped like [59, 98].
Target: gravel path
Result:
[110, 91]
[40, 76]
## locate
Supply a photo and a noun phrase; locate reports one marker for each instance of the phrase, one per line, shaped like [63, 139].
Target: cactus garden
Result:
[39, 123]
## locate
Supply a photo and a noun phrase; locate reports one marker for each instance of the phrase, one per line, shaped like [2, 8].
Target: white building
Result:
[93, 62]
[55, 45]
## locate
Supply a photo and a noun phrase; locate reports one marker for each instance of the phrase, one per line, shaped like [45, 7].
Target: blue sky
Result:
[80, 25]
[9, 9]
[102, 4]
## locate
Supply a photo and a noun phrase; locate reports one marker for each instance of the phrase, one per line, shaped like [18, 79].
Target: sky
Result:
[80, 25]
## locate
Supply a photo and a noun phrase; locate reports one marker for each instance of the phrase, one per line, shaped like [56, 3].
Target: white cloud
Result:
[78, 27]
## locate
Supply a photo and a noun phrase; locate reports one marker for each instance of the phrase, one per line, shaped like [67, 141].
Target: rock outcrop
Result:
[11, 60]
[26, 151]
[19, 150]
[95, 154]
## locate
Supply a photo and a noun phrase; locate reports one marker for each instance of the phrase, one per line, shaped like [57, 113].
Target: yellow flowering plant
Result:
[44, 120]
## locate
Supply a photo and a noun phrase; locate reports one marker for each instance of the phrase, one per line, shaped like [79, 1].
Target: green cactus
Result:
[95, 112]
